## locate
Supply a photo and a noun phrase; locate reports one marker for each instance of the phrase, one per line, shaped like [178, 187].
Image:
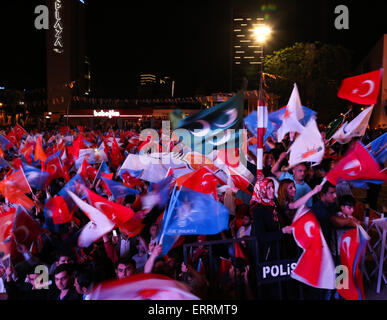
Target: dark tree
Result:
[318, 70]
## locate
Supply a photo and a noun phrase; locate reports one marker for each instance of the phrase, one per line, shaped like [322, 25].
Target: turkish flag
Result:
[6, 223]
[25, 230]
[357, 164]
[54, 167]
[117, 213]
[315, 266]
[39, 151]
[19, 131]
[362, 89]
[352, 246]
[58, 210]
[201, 180]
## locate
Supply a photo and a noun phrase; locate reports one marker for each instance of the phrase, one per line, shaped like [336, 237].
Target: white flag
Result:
[308, 147]
[293, 113]
[356, 128]
[94, 229]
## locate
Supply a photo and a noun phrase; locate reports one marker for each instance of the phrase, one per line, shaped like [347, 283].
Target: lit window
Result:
[237, 46]
[239, 52]
[243, 24]
[237, 62]
[249, 57]
[237, 57]
[237, 30]
[240, 35]
[238, 19]
[245, 40]
[253, 62]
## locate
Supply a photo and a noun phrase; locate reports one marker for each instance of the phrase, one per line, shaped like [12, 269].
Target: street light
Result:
[261, 33]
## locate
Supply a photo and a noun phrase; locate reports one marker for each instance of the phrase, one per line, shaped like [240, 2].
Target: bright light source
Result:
[47, 117]
[50, 113]
[261, 33]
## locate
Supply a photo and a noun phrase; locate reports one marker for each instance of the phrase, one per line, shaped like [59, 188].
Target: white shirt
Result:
[2, 288]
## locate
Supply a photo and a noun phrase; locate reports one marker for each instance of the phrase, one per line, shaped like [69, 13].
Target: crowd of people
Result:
[220, 273]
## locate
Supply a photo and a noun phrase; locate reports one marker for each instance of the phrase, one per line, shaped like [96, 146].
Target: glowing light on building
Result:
[58, 27]
[109, 114]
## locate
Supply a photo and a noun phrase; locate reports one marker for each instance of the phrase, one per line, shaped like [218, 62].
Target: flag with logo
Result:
[308, 146]
[315, 267]
[216, 127]
[356, 128]
[193, 212]
[118, 190]
[5, 143]
[361, 89]
[352, 247]
[357, 164]
[378, 148]
[72, 185]
[292, 116]
[35, 177]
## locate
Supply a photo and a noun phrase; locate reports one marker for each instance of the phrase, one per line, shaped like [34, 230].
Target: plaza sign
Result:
[109, 114]
[58, 44]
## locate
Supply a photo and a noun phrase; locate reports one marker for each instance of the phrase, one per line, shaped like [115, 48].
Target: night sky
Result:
[187, 40]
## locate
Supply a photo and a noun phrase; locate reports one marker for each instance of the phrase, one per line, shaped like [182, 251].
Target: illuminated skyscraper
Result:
[246, 52]
[67, 67]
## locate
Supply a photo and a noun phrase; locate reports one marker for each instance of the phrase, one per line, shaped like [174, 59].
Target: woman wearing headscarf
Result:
[274, 235]
[269, 225]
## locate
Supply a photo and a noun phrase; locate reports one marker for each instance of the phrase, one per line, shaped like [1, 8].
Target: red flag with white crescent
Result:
[361, 89]
[315, 267]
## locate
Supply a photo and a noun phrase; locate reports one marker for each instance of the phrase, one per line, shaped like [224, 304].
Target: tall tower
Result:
[246, 52]
[66, 56]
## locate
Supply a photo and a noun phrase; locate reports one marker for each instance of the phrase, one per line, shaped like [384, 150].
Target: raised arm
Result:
[276, 170]
[304, 199]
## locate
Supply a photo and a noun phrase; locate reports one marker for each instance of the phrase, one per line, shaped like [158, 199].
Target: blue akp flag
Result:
[379, 148]
[35, 177]
[71, 185]
[210, 129]
[195, 213]
[118, 189]
[278, 115]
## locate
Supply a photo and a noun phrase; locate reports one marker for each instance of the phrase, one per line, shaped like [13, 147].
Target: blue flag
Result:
[197, 213]
[379, 149]
[56, 154]
[118, 189]
[207, 130]
[71, 185]
[3, 163]
[277, 116]
[251, 123]
[35, 177]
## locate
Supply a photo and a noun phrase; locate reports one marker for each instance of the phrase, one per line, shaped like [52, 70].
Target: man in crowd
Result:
[64, 281]
[298, 176]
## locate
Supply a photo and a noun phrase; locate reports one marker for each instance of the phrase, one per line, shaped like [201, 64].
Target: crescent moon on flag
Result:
[371, 88]
[232, 116]
[346, 243]
[308, 226]
[355, 165]
[225, 138]
[204, 131]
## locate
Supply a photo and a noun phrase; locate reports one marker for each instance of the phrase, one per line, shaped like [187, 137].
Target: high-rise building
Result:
[246, 52]
[67, 66]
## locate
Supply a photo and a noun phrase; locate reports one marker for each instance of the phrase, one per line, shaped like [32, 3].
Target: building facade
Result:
[376, 59]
